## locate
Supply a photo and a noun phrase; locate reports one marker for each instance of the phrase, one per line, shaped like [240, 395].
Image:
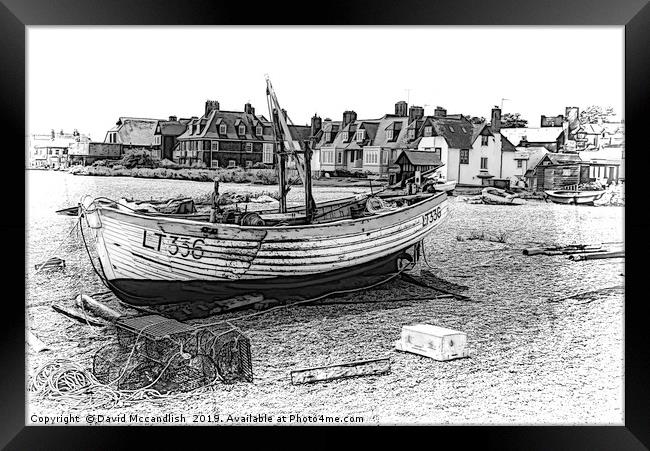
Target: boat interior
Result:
[359, 206]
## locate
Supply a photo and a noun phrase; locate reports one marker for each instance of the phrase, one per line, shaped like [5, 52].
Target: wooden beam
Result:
[76, 315]
[615, 254]
[344, 370]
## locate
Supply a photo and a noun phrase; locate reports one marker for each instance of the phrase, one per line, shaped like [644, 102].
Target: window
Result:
[339, 157]
[232, 163]
[328, 156]
[156, 140]
[344, 136]
[371, 157]
[215, 163]
[248, 147]
[464, 156]
[223, 128]
[65, 151]
[428, 130]
[384, 157]
[259, 130]
[242, 129]
[484, 140]
[328, 137]
[56, 152]
[520, 163]
[214, 145]
[438, 152]
[206, 145]
[389, 135]
[483, 162]
[412, 133]
[360, 135]
[267, 153]
[566, 172]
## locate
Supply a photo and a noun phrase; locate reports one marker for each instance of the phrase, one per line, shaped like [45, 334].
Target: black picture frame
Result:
[15, 15]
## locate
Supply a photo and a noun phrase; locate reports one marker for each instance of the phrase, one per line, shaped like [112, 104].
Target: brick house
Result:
[222, 138]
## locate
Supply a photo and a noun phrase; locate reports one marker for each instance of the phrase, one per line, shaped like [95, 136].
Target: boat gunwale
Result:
[184, 221]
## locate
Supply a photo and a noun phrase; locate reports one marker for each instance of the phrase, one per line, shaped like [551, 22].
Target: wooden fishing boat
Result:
[574, 197]
[498, 196]
[150, 258]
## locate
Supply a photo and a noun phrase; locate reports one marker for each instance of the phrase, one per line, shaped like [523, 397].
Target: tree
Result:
[593, 113]
[513, 120]
[474, 119]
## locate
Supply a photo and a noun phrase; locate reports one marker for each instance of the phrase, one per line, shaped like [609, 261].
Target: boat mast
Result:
[288, 146]
[280, 153]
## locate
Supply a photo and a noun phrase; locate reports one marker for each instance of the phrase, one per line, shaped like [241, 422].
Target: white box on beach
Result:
[438, 343]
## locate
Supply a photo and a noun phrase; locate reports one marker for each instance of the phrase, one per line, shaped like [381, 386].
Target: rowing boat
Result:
[151, 258]
[500, 197]
[574, 197]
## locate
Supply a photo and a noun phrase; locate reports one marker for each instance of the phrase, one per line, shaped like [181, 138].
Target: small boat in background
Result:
[574, 197]
[446, 187]
[498, 196]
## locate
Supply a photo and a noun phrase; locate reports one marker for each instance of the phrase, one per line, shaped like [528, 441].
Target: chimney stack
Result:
[211, 105]
[496, 119]
[316, 124]
[401, 109]
[439, 112]
[415, 113]
[173, 118]
[248, 109]
[348, 118]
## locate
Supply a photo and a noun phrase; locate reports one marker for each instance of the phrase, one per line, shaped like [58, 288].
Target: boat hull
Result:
[157, 259]
[446, 187]
[573, 198]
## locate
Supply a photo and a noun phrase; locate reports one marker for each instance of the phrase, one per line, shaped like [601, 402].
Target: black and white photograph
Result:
[325, 225]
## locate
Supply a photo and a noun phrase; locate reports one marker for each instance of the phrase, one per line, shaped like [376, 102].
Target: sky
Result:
[87, 77]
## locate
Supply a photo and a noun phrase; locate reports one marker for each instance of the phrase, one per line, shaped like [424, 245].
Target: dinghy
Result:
[149, 258]
[498, 196]
[574, 197]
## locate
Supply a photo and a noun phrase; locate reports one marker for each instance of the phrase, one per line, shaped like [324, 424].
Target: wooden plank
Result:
[339, 371]
[76, 315]
[615, 254]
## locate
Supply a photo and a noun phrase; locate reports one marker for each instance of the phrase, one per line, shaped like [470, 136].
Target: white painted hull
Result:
[575, 198]
[445, 187]
[136, 247]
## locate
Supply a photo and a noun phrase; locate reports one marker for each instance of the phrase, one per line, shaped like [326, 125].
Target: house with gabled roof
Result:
[167, 133]
[223, 138]
[134, 133]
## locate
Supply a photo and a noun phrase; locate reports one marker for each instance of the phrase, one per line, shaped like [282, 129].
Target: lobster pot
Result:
[438, 343]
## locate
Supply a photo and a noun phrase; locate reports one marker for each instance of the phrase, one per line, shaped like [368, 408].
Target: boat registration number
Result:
[431, 216]
[176, 245]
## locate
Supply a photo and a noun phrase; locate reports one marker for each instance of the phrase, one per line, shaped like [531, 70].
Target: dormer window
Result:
[412, 133]
[222, 129]
[389, 135]
[344, 136]
[428, 130]
[242, 129]
[259, 130]
[360, 136]
[328, 137]
[484, 140]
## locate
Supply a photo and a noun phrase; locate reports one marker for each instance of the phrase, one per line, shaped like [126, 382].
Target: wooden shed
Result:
[410, 161]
